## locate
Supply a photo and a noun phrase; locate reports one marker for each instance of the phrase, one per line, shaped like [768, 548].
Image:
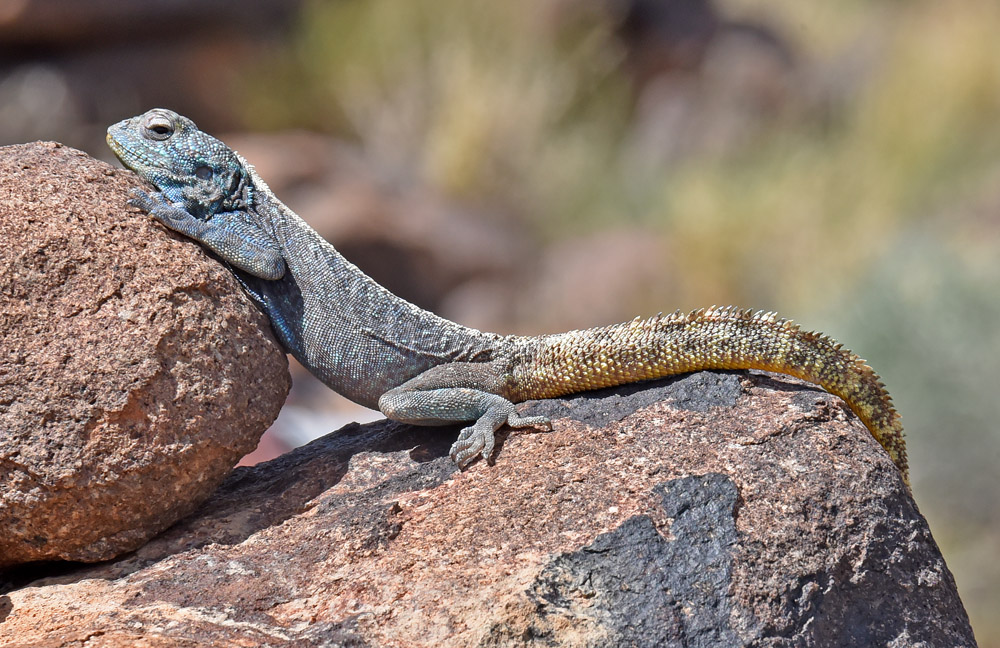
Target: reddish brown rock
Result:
[711, 510]
[134, 373]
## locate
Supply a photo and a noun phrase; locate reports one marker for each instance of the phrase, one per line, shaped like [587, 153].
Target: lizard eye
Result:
[203, 173]
[159, 128]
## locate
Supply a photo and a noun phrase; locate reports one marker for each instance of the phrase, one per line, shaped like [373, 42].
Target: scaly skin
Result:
[381, 351]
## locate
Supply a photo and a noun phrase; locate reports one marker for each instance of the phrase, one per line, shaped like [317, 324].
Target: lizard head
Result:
[187, 165]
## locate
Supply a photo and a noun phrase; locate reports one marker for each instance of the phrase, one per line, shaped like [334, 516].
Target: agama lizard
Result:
[382, 351]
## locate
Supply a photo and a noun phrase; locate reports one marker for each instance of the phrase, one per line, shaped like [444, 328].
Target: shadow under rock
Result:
[257, 497]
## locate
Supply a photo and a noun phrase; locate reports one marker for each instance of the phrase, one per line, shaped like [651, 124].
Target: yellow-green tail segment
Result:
[712, 338]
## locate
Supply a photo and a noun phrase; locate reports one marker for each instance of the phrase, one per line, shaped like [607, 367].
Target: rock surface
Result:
[710, 510]
[134, 373]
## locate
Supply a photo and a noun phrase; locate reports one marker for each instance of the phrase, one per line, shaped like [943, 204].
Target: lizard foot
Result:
[432, 399]
[479, 439]
[156, 205]
[142, 200]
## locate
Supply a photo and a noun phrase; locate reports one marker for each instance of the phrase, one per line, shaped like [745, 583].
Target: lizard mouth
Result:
[120, 151]
[130, 158]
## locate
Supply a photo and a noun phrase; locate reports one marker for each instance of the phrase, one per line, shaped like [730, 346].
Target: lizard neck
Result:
[349, 331]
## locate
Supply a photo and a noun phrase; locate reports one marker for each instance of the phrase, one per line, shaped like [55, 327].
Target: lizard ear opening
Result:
[203, 173]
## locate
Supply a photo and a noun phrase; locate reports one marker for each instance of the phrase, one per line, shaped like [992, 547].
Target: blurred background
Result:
[533, 166]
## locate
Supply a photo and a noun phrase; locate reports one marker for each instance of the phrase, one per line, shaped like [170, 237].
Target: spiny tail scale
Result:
[712, 338]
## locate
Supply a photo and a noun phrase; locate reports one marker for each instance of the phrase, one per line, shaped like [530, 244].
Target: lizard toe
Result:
[142, 200]
[541, 422]
[472, 441]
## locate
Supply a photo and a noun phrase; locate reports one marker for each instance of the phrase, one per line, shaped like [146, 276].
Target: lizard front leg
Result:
[228, 234]
[459, 391]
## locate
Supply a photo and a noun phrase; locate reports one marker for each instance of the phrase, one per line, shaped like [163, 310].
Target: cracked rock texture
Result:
[133, 374]
[712, 510]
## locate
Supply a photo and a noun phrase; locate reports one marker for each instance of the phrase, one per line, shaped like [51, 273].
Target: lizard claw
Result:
[142, 200]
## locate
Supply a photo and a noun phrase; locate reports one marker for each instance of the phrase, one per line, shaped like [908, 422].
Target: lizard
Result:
[383, 352]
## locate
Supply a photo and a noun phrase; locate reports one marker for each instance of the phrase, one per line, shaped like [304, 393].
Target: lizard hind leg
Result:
[414, 403]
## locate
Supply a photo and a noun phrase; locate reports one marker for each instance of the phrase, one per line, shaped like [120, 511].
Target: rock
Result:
[710, 510]
[134, 373]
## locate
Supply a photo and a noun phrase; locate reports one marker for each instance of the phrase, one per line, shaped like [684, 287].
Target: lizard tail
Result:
[712, 338]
